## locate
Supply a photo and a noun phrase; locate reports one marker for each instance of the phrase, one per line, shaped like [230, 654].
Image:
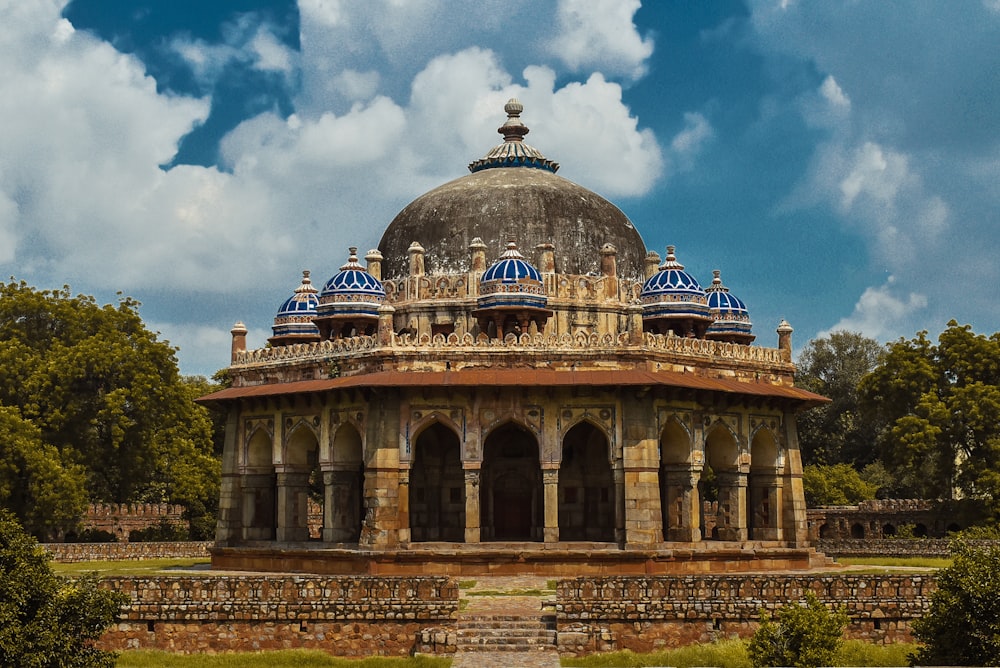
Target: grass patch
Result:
[733, 654]
[276, 659]
[551, 584]
[889, 562]
[466, 584]
[507, 592]
[143, 567]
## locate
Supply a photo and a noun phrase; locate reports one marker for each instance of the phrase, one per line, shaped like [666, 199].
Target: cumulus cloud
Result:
[882, 313]
[601, 34]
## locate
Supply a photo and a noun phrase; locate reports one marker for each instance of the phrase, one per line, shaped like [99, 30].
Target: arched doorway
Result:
[586, 486]
[299, 480]
[258, 486]
[344, 482]
[679, 498]
[437, 487]
[720, 488]
[511, 496]
[764, 516]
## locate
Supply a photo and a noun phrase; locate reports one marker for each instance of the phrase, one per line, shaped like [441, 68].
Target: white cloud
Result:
[601, 34]
[832, 93]
[688, 143]
[881, 314]
[244, 41]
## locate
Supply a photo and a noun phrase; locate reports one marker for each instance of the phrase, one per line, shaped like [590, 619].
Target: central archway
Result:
[437, 487]
[586, 486]
[511, 494]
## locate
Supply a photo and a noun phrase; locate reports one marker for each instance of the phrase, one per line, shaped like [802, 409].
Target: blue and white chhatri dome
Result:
[512, 282]
[673, 300]
[294, 321]
[732, 319]
[351, 292]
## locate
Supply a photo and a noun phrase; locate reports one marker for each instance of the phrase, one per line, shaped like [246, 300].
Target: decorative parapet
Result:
[653, 343]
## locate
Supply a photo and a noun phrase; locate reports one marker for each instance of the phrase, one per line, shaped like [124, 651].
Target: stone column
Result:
[404, 505]
[732, 505]
[229, 526]
[341, 504]
[550, 480]
[258, 520]
[472, 523]
[239, 344]
[651, 264]
[385, 325]
[681, 509]
[609, 269]
[374, 260]
[635, 324]
[618, 473]
[765, 506]
[293, 506]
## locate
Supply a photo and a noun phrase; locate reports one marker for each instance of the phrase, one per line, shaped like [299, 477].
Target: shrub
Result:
[164, 530]
[962, 626]
[803, 635]
[46, 620]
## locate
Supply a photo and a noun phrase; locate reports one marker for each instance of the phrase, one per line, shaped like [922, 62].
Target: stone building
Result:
[511, 382]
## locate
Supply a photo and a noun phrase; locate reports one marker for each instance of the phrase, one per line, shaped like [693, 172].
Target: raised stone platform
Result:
[509, 558]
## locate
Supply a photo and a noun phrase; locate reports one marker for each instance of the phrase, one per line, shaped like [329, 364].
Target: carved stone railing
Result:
[608, 343]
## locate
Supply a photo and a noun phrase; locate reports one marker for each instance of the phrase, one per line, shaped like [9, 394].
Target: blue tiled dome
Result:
[671, 291]
[351, 291]
[294, 320]
[731, 317]
[512, 282]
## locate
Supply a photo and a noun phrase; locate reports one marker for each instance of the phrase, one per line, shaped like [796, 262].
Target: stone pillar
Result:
[416, 252]
[550, 480]
[239, 332]
[472, 523]
[681, 505]
[258, 516]
[793, 495]
[380, 526]
[385, 325]
[609, 269]
[293, 506]
[477, 253]
[635, 324]
[765, 505]
[403, 502]
[651, 264]
[341, 504]
[229, 525]
[547, 267]
[785, 339]
[374, 262]
[618, 474]
[732, 505]
[641, 463]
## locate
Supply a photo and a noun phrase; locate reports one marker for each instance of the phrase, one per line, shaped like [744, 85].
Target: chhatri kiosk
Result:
[511, 383]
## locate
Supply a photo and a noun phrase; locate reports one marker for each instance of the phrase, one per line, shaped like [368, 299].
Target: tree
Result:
[939, 407]
[803, 635]
[102, 390]
[48, 621]
[835, 485]
[962, 626]
[45, 493]
[835, 433]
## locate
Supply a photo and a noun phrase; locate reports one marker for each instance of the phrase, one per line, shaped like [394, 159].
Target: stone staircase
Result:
[506, 632]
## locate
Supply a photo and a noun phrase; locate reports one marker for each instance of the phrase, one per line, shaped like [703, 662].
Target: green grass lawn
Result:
[276, 659]
[929, 563]
[733, 654]
[144, 567]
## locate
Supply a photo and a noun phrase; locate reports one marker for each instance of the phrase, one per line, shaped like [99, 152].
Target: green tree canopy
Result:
[106, 394]
[962, 626]
[835, 432]
[835, 485]
[47, 621]
[939, 411]
[804, 636]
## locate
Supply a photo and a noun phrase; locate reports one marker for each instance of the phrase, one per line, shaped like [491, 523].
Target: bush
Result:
[803, 635]
[162, 531]
[962, 626]
[93, 536]
[46, 620]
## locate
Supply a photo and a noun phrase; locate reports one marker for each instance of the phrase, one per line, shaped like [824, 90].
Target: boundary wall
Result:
[356, 616]
[645, 614]
[346, 616]
[76, 552]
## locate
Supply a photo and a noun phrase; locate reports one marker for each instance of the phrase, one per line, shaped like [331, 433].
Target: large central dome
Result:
[513, 193]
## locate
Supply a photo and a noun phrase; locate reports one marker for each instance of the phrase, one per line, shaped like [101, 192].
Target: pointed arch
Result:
[300, 481]
[259, 453]
[765, 494]
[678, 483]
[258, 487]
[586, 485]
[511, 489]
[437, 486]
[343, 486]
[722, 499]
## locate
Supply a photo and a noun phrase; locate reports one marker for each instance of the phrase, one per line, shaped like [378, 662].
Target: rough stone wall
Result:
[120, 519]
[645, 614]
[76, 552]
[348, 616]
[891, 547]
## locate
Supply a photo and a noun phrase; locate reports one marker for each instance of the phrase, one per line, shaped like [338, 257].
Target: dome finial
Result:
[513, 129]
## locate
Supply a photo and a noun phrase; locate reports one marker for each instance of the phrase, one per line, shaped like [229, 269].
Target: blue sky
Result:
[838, 161]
